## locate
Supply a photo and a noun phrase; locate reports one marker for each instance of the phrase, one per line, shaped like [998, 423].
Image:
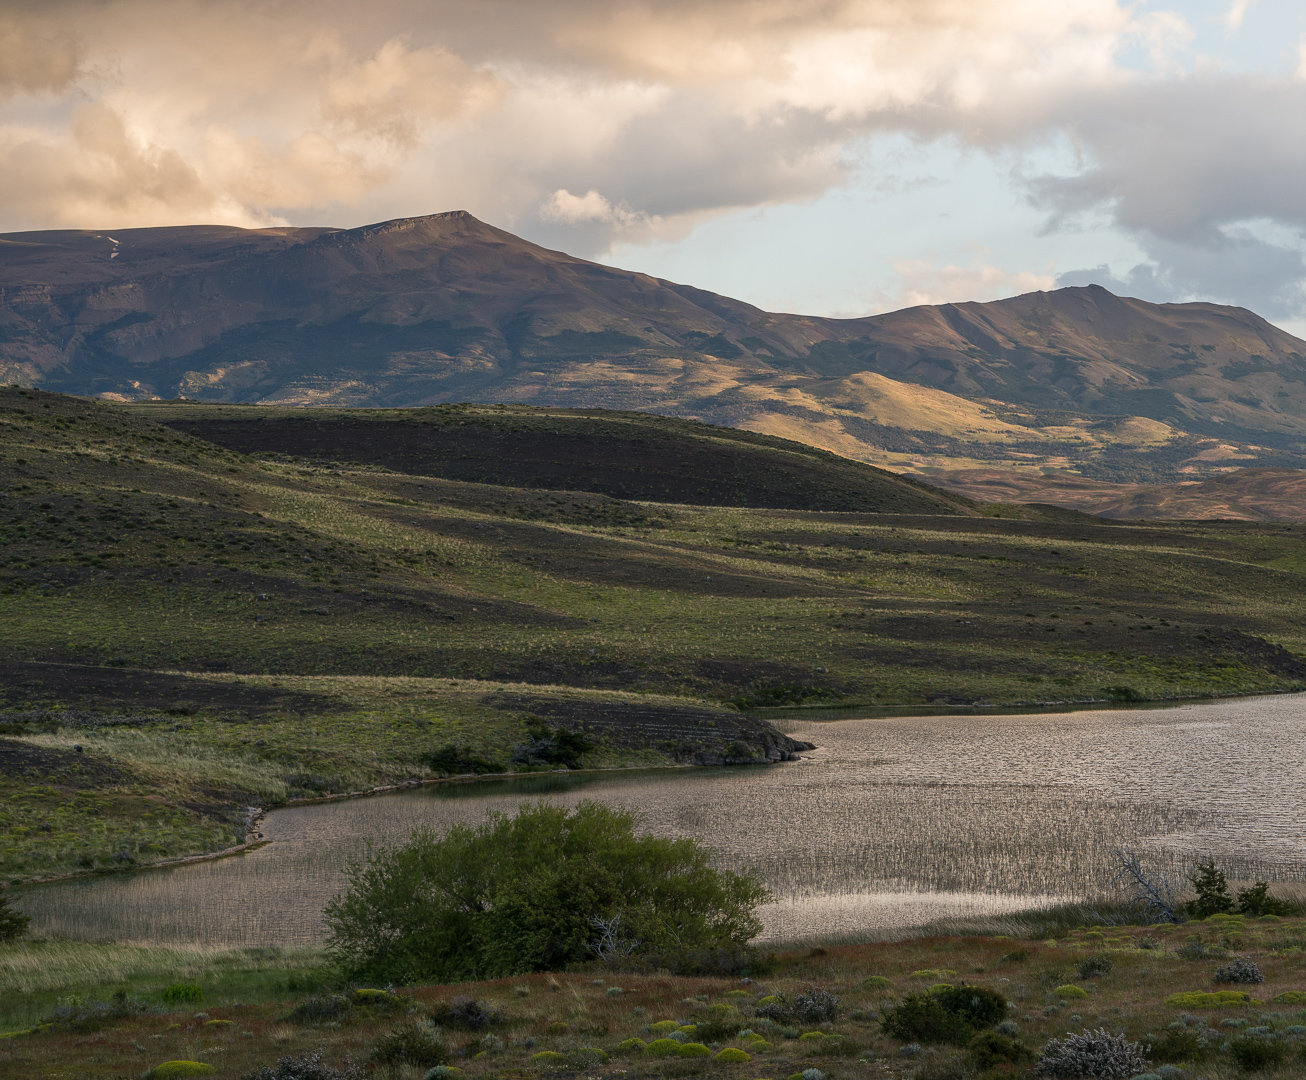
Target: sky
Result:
[832, 157]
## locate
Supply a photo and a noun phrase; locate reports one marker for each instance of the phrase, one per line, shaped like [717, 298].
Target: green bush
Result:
[13, 923]
[732, 1055]
[1258, 901]
[1212, 892]
[877, 982]
[525, 893]
[923, 1018]
[694, 1049]
[182, 994]
[458, 761]
[980, 1007]
[660, 1048]
[1178, 1045]
[1253, 1055]
[410, 1044]
[989, 1049]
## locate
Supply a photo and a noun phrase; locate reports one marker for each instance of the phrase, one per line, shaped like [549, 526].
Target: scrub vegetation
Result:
[1087, 1002]
[188, 632]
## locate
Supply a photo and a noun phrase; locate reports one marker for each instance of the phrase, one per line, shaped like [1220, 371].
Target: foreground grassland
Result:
[217, 631]
[251, 994]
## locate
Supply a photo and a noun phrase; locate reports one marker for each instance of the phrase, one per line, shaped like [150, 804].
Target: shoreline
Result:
[906, 712]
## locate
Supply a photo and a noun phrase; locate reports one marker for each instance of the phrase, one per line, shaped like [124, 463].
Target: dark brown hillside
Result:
[623, 455]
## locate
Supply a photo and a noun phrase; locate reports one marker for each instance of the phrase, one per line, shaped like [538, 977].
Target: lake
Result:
[892, 823]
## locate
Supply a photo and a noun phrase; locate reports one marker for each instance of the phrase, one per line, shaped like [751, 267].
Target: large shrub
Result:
[948, 1015]
[533, 892]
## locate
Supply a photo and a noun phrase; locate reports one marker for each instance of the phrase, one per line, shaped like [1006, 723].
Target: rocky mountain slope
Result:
[446, 308]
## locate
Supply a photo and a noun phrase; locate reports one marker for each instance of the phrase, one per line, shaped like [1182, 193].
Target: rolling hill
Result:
[187, 631]
[446, 308]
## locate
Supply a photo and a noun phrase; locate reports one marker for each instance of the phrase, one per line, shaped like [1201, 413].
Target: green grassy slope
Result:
[308, 626]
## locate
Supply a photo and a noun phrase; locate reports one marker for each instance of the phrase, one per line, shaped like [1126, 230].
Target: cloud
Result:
[922, 282]
[673, 109]
[585, 123]
[34, 58]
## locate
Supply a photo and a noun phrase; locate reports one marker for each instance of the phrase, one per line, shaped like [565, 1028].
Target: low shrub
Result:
[182, 994]
[877, 982]
[586, 1057]
[979, 1006]
[816, 1005]
[1097, 1055]
[443, 1072]
[1179, 1045]
[548, 1059]
[316, 1011]
[453, 760]
[412, 1043]
[631, 1046]
[694, 1049]
[1094, 966]
[1290, 997]
[664, 1027]
[379, 1001]
[989, 1049]
[1219, 999]
[1253, 1054]
[466, 1014]
[721, 1023]
[84, 1017]
[306, 1067]
[1239, 970]
[732, 1055]
[661, 1048]
[1070, 992]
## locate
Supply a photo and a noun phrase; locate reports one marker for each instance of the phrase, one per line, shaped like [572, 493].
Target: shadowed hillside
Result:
[623, 455]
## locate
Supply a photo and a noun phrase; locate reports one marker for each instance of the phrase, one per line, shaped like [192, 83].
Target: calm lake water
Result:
[891, 824]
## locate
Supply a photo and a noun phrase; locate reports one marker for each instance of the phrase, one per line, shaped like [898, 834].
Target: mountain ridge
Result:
[424, 310]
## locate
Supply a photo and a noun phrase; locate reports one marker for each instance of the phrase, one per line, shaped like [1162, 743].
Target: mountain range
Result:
[446, 308]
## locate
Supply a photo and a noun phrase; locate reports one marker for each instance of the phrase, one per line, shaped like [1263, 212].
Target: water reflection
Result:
[892, 823]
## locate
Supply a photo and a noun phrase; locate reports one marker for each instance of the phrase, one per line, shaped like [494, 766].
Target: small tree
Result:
[13, 923]
[1212, 891]
[1258, 901]
[533, 892]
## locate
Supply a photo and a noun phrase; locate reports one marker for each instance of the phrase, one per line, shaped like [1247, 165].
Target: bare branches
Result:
[1155, 894]
[609, 945]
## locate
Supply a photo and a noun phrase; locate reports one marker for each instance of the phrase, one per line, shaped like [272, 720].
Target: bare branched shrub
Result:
[1153, 892]
[1241, 969]
[1098, 1055]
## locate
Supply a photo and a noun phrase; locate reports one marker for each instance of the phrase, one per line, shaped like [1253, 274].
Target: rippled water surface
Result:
[891, 823]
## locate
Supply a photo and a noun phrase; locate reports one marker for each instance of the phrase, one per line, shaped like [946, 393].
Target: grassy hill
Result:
[218, 630]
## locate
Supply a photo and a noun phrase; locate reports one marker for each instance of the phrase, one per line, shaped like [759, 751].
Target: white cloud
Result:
[923, 282]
